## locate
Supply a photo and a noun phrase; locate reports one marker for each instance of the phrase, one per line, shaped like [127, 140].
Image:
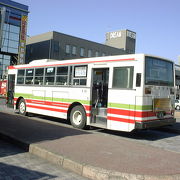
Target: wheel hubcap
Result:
[22, 107]
[77, 117]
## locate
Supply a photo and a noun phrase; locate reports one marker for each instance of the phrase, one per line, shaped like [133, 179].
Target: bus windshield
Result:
[158, 72]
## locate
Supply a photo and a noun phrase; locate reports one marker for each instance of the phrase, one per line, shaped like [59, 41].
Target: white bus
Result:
[123, 92]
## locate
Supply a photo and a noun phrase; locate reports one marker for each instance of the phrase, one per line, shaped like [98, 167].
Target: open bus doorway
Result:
[10, 89]
[99, 96]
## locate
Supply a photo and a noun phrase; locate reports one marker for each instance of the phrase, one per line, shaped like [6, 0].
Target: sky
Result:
[156, 22]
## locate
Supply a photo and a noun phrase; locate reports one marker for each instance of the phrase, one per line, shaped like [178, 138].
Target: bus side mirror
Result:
[138, 80]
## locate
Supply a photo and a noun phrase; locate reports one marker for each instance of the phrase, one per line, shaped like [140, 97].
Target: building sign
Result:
[115, 34]
[22, 42]
[131, 34]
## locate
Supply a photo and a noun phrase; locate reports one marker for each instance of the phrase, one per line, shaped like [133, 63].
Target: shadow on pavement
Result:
[150, 134]
[6, 149]
[15, 172]
[30, 131]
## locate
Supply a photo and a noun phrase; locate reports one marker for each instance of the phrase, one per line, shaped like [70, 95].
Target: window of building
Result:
[82, 52]
[62, 76]
[103, 54]
[56, 46]
[4, 63]
[89, 53]
[123, 77]
[67, 49]
[49, 76]
[14, 29]
[10, 42]
[97, 54]
[74, 50]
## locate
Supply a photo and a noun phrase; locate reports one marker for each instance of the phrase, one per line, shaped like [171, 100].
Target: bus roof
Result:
[81, 61]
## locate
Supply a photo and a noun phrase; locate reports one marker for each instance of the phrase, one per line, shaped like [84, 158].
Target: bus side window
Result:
[62, 76]
[138, 80]
[29, 76]
[80, 75]
[20, 76]
[123, 77]
[50, 76]
[39, 72]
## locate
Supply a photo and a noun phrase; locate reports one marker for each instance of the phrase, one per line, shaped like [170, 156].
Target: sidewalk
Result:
[92, 155]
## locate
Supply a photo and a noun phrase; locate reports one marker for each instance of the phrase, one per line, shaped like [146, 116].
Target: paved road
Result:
[59, 141]
[16, 164]
[161, 138]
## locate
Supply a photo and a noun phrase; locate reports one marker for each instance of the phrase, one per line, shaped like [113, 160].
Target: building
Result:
[179, 59]
[59, 46]
[177, 78]
[13, 24]
[123, 39]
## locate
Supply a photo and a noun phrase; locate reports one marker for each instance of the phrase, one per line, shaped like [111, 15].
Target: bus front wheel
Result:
[78, 117]
[22, 107]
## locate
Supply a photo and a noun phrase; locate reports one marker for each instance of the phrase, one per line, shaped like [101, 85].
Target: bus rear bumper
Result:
[155, 123]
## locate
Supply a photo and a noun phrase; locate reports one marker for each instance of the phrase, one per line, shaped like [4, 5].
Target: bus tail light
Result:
[147, 90]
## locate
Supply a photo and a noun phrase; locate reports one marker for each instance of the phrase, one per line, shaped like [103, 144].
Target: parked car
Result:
[177, 104]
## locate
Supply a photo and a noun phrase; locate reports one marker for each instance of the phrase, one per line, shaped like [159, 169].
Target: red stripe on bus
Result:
[87, 107]
[121, 119]
[48, 103]
[51, 109]
[55, 104]
[47, 108]
[124, 112]
[88, 114]
[72, 63]
[11, 67]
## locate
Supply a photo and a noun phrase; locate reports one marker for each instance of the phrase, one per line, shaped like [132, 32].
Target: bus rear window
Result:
[158, 72]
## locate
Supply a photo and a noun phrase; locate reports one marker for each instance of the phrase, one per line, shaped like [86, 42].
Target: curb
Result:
[91, 172]
[85, 170]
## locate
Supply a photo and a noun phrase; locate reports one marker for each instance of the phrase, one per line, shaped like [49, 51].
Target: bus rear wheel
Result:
[22, 107]
[78, 117]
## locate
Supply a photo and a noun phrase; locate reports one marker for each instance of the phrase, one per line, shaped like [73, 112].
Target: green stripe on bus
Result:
[31, 96]
[130, 106]
[111, 105]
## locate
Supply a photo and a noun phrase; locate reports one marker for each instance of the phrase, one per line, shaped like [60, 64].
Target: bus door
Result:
[10, 89]
[99, 96]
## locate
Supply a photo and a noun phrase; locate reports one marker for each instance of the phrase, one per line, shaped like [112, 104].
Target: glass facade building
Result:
[12, 34]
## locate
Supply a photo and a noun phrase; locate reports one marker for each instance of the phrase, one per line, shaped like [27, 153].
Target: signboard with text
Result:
[22, 42]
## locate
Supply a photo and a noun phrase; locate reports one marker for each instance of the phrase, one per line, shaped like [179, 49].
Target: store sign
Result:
[22, 45]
